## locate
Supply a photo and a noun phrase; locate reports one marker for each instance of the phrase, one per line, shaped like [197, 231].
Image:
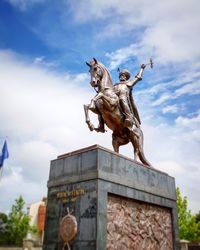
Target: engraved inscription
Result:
[70, 196]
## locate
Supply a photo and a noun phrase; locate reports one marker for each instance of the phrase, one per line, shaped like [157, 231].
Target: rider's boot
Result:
[101, 127]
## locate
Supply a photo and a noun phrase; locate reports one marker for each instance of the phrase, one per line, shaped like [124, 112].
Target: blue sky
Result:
[44, 83]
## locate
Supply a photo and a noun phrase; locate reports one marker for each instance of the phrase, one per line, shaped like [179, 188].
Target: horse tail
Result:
[141, 151]
[143, 158]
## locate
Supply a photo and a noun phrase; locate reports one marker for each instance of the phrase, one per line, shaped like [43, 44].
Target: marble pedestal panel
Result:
[118, 203]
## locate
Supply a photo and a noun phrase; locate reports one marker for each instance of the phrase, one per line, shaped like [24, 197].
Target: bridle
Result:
[96, 74]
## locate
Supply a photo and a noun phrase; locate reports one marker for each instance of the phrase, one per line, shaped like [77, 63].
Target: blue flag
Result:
[4, 154]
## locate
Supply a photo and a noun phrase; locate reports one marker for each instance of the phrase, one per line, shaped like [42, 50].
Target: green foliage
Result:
[17, 224]
[3, 228]
[197, 217]
[189, 227]
[3, 217]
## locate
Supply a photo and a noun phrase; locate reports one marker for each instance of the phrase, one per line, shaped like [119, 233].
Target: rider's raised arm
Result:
[138, 77]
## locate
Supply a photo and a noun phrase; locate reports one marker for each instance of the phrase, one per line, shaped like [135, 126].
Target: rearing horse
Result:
[106, 105]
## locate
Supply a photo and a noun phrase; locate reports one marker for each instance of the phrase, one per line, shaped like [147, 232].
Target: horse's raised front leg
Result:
[93, 108]
[87, 118]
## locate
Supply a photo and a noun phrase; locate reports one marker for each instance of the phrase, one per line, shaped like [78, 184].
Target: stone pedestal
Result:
[118, 203]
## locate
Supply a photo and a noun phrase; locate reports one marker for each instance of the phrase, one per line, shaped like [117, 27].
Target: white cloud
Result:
[170, 167]
[34, 156]
[121, 55]
[164, 97]
[41, 61]
[14, 185]
[170, 33]
[170, 109]
[192, 123]
[191, 89]
[38, 60]
[42, 114]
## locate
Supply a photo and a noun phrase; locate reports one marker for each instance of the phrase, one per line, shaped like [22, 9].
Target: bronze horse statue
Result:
[106, 105]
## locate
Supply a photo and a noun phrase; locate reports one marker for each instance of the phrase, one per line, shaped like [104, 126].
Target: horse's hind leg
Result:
[136, 138]
[135, 143]
[118, 141]
[115, 143]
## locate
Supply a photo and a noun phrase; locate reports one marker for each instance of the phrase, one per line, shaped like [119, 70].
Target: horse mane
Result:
[106, 79]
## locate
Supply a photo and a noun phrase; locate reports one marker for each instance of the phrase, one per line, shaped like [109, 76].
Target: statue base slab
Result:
[117, 202]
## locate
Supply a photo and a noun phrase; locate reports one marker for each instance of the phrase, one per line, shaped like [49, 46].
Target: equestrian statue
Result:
[115, 107]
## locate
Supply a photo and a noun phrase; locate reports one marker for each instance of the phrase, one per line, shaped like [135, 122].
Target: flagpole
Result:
[1, 173]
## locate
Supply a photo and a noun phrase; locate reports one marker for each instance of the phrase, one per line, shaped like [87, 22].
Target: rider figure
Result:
[123, 90]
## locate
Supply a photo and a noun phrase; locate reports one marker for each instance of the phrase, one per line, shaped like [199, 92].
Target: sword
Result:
[150, 63]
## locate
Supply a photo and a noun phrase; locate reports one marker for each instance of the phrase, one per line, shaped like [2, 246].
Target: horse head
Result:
[100, 77]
